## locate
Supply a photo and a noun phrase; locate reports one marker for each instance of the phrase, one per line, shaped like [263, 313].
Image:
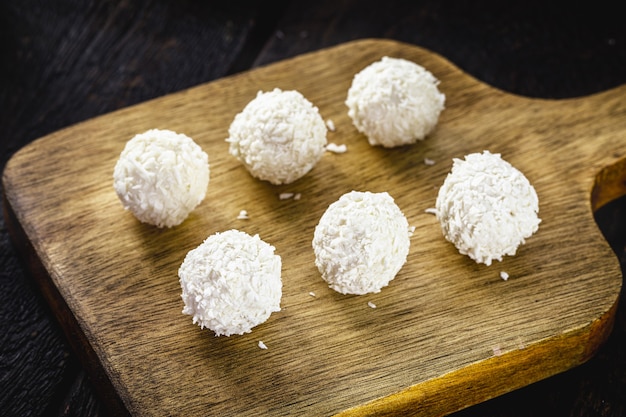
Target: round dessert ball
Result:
[394, 102]
[161, 176]
[231, 282]
[487, 208]
[279, 136]
[361, 242]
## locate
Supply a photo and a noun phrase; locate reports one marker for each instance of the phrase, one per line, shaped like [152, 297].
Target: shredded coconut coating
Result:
[161, 176]
[361, 242]
[231, 282]
[487, 208]
[279, 136]
[394, 102]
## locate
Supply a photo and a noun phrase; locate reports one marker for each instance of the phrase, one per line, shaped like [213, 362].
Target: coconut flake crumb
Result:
[312, 294]
[371, 305]
[330, 125]
[288, 196]
[279, 136]
[334, 148]
[497, 351]
[394, 102]
[486, 207]
[429, 161]
[262, 345]
[243, 215]
[504, 275]
[411, 230]
[361, 242]
[431, 210]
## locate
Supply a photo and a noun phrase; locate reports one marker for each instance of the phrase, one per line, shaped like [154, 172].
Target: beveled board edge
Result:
[69, 324]
[475, 383]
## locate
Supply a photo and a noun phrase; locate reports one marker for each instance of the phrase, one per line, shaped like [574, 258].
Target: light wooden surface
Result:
[447, 333]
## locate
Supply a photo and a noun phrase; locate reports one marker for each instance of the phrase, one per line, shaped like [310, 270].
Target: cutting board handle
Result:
[609, 185]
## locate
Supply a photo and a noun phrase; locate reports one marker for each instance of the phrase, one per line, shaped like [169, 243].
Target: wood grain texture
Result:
[446, 333]
[64, 62]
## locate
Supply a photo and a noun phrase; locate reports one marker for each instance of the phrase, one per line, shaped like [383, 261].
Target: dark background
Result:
[65, 61]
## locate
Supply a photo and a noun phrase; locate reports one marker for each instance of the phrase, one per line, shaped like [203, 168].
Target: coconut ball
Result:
[361, 242]
[161, 176]
[231, 282]
[279, 136]
[486, 207]
[394, 102]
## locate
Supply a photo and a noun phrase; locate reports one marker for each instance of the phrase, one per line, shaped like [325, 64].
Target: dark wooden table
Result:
[65, 61]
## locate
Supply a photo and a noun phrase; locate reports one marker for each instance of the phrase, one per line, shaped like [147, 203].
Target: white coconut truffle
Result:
[361, 242]
[487, 208]
[394, 102]
[231, 282]
[279, 136]
[161, 176]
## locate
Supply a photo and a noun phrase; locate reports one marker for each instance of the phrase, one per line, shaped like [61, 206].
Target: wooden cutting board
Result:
[445, 334]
